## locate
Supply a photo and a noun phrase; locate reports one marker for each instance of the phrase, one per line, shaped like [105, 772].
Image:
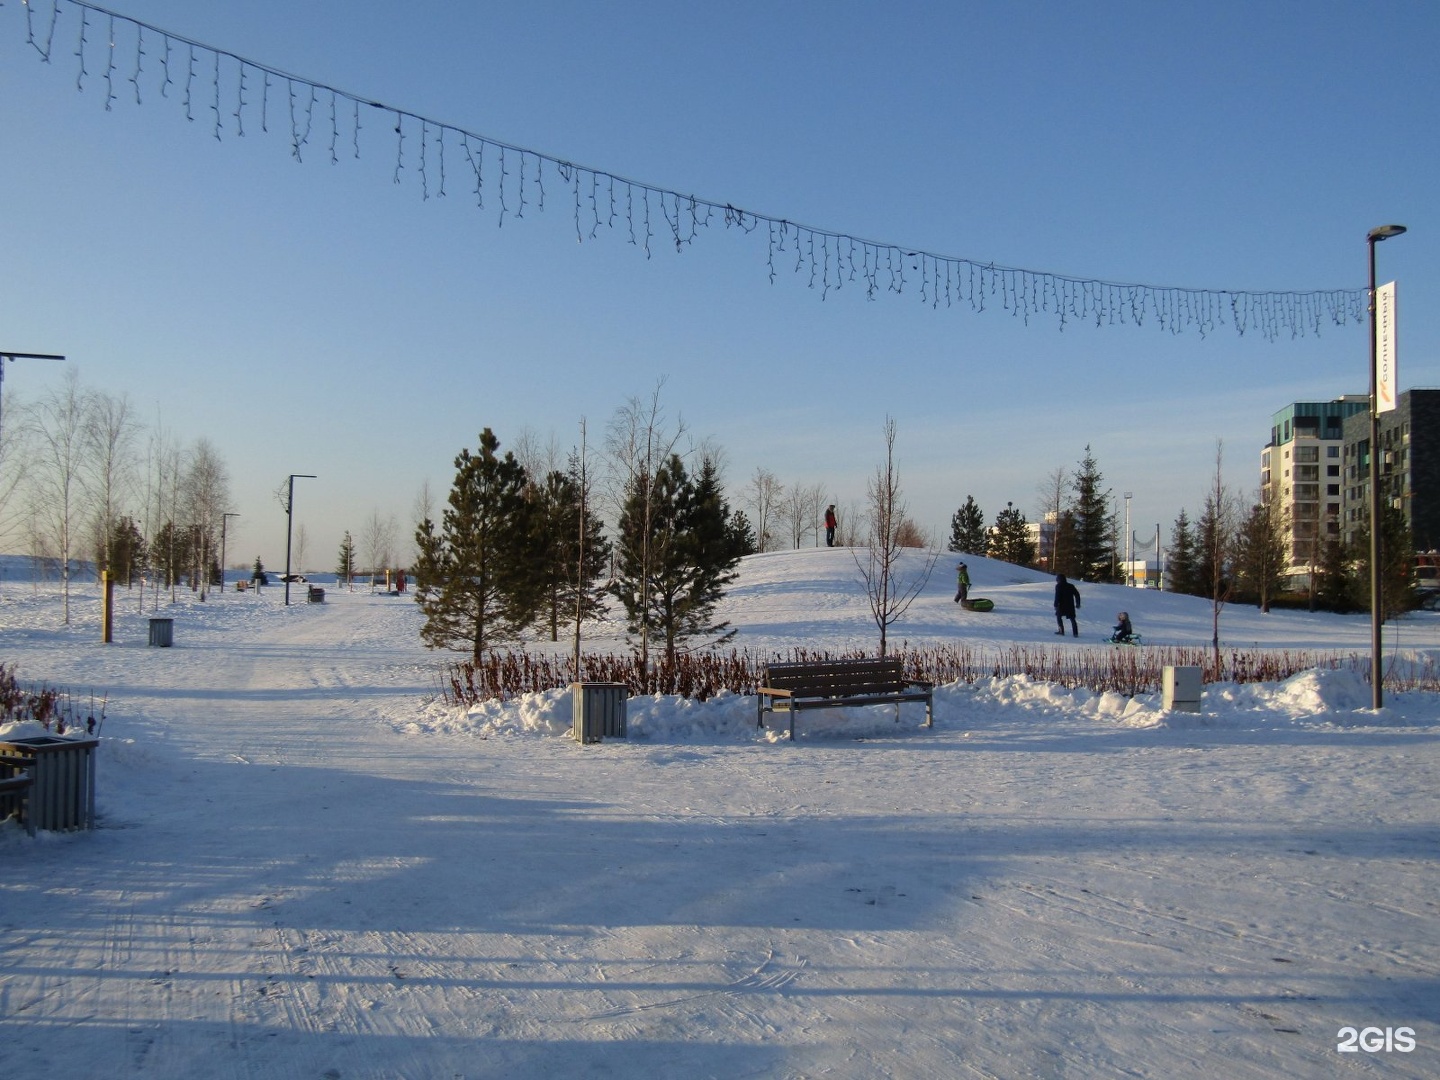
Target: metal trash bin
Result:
[599, 710]
[162, 632]
[61, 795]
[316, 595]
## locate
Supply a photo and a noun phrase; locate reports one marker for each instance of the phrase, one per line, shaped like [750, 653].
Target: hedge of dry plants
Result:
[1129, 671]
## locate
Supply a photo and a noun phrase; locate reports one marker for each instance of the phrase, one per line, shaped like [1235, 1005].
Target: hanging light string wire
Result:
[506, 179]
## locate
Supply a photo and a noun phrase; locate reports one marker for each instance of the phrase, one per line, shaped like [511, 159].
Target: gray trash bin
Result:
[599, 710]
[162, 632]
[61, 795]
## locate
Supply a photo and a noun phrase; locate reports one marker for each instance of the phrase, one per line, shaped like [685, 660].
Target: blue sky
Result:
[320, 318]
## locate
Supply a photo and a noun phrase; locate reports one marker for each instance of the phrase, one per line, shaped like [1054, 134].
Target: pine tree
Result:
[1261, 550]
[742, 535]
[1067, 547]
[1214, 549]
[476, 580]
[345, 567]
[1180, 565]
[1095, 528]
[1010, 540]
[558, 553]
[1338, 589]
[967, 529]
[692, 551]
[1397, 563]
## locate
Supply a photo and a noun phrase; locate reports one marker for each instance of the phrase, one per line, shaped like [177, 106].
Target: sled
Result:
[978, 604]
[1133, 639]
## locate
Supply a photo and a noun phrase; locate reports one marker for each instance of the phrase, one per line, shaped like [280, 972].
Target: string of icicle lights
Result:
[132, 59]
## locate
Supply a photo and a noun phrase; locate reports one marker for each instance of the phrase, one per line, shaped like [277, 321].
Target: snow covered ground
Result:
[306, 866]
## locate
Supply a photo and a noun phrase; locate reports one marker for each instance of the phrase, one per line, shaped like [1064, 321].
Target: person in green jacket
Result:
[962, 584]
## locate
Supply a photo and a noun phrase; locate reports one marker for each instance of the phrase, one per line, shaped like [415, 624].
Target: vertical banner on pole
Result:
[1386, 379]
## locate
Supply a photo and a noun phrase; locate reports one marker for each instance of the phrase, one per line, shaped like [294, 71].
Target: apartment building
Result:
[1409, 443]
[1303, 467]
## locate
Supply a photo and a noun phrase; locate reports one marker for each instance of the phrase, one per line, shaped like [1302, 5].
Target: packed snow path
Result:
[303, 871]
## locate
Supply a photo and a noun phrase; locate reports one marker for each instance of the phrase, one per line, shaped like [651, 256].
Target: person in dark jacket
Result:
[1124, 630]
[1067, 603]
[962, 584]
[830, 524]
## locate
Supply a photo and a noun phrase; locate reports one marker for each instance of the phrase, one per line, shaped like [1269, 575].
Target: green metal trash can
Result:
[162, 632]
[599, 710]
[61, 795]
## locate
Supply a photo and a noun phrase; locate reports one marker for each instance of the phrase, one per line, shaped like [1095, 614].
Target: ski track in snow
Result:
[303, 869]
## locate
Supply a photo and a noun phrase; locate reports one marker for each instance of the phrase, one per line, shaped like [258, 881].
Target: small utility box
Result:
[162, 632]
[1182, 688]
[599, 710]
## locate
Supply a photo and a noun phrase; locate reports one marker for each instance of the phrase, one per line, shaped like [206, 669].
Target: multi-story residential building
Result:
[1409, 467]
[1302, 468]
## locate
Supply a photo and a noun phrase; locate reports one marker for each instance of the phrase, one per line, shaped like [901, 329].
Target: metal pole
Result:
[1376, 607]
[224, 520]
[1377, 610]
[289, 520]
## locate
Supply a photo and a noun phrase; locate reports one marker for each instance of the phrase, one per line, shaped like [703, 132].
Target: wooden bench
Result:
[833, 684]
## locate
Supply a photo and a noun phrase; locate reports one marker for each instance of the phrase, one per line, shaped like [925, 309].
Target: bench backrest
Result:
[837, 678]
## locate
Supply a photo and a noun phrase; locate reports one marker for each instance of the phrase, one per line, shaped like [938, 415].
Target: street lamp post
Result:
[1377, 609]
[289, 522]
[224, 520]
[22, 356]
[1129, 545]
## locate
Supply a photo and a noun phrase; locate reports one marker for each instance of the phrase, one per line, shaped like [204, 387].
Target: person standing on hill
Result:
[1067, 603]
[962, 584]
[830, 524]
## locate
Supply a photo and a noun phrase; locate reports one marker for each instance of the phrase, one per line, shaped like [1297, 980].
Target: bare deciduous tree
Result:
[57, 427]
[801, 507]
[1052, 492]
[378, 538]
[890, 585]
[301, 542]
[206, 489]
[110, 438]
[763, 496]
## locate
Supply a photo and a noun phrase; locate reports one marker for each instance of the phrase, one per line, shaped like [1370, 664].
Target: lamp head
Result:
[1384, 232]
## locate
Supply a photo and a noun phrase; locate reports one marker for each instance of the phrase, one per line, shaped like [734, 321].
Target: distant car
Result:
[1429, 599]
[292, 577]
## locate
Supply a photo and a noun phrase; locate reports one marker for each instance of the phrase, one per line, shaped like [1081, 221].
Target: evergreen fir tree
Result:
[693, 550]
[127, 555]
[1067, 547]
[1261, 552]
[1180, 563]
[742, 535]
[1010, 540]
[558, 552]
[171, 554]
[967, 529]
[1214, 554]
[1397, 563]
[1337, 590]
[1095, 528]
[476, 579]
[345, 567]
